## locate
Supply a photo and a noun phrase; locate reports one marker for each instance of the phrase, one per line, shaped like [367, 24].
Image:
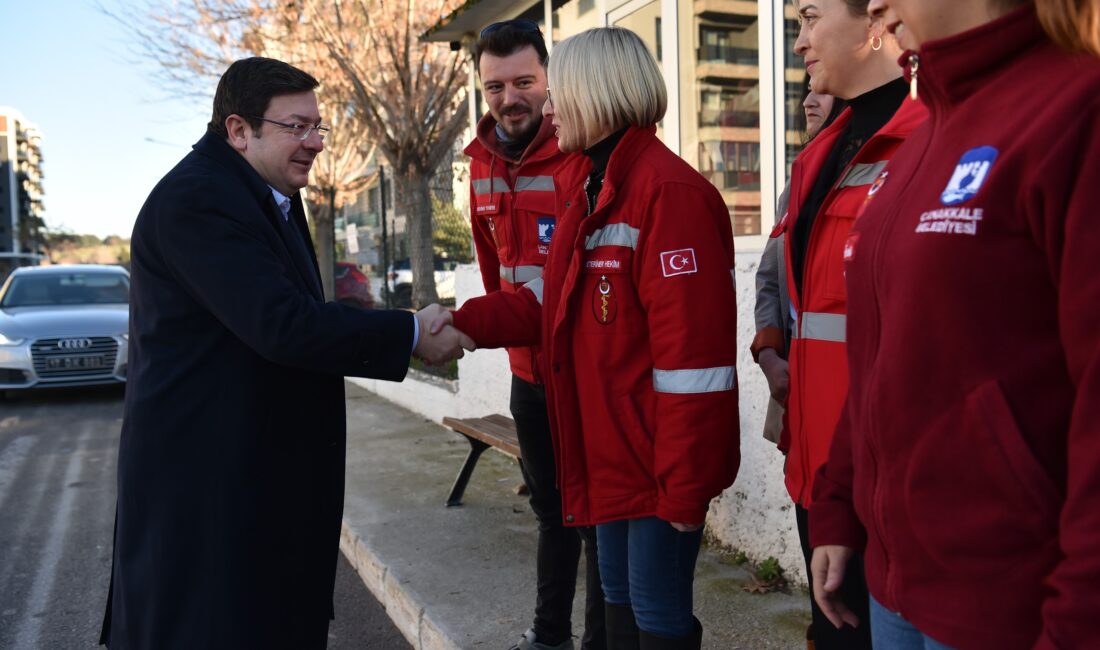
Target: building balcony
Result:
[729, 134]
[727, 11]
[728, 54]
[729, 118]
[716, 72]
[744, 207]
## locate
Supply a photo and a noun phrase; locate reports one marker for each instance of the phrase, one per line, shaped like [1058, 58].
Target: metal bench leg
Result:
[476, 449]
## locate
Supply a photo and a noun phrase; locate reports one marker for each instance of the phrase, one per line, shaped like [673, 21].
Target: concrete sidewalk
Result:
[464, 577]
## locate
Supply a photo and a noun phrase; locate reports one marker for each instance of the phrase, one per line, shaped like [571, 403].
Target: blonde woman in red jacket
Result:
[967, 460]
[634, 313]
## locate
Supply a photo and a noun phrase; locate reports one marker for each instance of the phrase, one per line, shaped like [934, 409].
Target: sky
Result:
[110, 132]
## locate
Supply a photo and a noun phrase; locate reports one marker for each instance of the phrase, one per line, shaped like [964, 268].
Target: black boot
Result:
[622, 629]
[693, 641]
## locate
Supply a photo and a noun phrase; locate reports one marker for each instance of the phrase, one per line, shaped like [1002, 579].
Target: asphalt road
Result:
[57, 498]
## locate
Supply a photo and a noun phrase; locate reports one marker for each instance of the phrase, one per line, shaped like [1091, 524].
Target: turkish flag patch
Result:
[678, 262]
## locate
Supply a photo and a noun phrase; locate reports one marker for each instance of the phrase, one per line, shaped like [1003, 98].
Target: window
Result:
[720, 102]
[67, 289]
[731, 166]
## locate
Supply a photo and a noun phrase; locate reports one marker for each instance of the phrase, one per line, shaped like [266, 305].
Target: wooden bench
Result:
[497, 431]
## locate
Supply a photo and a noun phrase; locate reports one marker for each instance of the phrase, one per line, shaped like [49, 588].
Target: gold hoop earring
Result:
[876, 47]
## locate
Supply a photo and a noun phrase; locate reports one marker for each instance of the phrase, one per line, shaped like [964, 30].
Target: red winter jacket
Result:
[969, 448]
[636, 313]
[818, 367]
[512, 215]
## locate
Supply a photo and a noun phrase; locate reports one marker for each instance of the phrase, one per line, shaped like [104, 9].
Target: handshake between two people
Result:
[439, 341]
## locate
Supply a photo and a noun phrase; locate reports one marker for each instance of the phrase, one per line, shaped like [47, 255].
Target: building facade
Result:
[734, 85]
[21, 190]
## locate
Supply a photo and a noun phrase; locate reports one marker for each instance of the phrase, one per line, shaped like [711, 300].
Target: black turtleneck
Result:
[600, 154]
[513, 149]
[870, 112]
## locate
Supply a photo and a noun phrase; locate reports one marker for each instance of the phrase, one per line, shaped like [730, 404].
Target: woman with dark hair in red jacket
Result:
[850, 56]
[967, 459]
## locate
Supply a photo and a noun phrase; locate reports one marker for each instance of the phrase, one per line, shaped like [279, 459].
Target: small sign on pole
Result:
[353, 238]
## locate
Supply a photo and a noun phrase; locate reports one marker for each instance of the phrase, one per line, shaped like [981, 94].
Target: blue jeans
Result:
[649, 565]
[889, 631]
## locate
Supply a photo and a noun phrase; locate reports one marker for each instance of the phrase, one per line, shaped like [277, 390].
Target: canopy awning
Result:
[465, 22]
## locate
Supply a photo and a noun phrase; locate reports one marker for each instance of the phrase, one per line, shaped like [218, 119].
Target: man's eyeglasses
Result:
[301, 131]
[518, 24]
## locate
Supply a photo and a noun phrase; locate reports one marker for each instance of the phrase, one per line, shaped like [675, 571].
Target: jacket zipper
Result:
[804, 443]
[516, 262]
[492, 195]
[877, 508]
[493, 229]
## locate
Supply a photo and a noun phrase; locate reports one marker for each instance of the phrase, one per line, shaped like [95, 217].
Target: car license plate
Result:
[67, 363]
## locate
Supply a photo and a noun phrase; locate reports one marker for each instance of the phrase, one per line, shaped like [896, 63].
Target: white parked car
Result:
[399, 278]
[64, 326]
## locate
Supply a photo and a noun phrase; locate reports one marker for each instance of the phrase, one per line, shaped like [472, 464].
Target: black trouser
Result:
[853, 591]
[559, 547]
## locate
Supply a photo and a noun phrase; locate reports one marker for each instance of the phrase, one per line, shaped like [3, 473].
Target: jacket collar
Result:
[215, 147]
[578, 166]
[909, 116]
[954, 68]
[485, 147]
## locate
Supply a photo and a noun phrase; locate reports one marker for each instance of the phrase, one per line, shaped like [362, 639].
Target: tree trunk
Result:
[413, 184]
[323, 224]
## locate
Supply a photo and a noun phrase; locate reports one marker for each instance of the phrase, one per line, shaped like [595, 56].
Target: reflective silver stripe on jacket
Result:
[520, 274]
[536, 288]
[821, 327]
[862, 174]
[699, 380]
[485, 186]
[616, 234]
[535, 184]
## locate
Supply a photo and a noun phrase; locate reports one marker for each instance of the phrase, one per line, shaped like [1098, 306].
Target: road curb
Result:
[403, 606]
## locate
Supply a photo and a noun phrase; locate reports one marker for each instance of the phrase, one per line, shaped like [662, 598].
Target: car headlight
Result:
[4, 340]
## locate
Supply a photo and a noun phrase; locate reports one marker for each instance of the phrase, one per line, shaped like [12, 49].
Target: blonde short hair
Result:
[605, 79]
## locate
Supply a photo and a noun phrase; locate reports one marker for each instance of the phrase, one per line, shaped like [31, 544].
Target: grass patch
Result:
[447, 370]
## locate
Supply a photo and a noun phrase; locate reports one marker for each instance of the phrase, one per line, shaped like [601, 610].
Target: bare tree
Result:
[379, 85]
[412, 96]
[341, 171]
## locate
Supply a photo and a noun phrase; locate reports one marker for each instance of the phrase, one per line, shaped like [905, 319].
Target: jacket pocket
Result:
[535, 221]
[975, 489]
[499, 226]
[833, 283]
[622, 454]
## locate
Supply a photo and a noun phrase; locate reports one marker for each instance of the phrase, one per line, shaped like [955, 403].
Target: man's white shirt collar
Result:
[283, 201]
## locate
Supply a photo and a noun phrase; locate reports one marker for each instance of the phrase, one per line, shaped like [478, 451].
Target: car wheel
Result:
[402, 296]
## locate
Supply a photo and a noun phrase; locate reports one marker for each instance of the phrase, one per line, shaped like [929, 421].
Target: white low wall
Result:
[755, 515]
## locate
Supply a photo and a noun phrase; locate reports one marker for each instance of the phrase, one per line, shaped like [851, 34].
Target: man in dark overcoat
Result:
[231, 460]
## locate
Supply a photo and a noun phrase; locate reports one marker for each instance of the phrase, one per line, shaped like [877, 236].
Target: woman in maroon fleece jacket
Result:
[967, 459]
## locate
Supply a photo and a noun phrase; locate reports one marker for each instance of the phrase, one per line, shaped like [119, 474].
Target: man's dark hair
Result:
[247, 87]
[508, 40]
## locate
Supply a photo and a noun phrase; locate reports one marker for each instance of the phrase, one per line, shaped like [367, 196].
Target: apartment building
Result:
[734, 84]
[21, 189]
